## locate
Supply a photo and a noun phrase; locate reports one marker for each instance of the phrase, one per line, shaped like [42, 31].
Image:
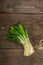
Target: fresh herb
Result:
[19, 34]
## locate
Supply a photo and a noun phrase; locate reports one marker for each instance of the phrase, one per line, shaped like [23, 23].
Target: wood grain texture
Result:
[30, 14]
[21, 6]
[15, 57]
[33, 24]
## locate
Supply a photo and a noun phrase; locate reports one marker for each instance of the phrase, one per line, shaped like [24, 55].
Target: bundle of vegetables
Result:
[19, 34]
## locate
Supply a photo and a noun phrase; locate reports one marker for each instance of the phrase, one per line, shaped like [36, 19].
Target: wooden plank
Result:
[21, 6]
[12, 56]
[33, 24]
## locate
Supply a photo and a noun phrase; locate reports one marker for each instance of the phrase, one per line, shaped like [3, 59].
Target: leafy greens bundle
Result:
[19, 34]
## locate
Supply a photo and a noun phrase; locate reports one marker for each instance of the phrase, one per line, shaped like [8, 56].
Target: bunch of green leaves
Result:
[17, 33]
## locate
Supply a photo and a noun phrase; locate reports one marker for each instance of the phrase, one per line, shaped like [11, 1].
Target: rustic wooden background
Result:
[30, 14]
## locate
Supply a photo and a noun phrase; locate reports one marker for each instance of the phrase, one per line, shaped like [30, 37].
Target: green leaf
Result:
[17, 33]
[21, 30]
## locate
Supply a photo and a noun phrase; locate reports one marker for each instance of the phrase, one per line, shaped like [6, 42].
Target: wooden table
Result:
[30, 14]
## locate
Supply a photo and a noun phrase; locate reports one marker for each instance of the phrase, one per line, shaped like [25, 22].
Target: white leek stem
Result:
[28, 48]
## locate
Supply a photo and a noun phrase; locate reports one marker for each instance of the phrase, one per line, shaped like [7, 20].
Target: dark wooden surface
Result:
[30, 14]
[21, 6]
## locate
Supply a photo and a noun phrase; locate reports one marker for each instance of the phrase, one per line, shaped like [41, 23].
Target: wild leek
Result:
[19, 34]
